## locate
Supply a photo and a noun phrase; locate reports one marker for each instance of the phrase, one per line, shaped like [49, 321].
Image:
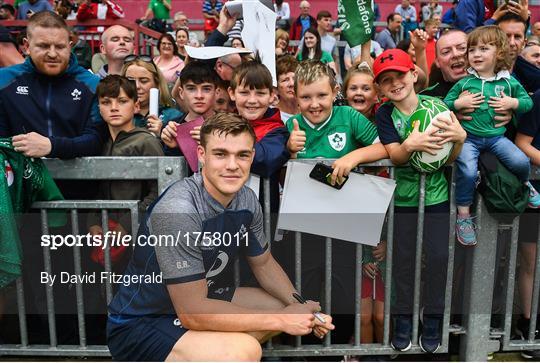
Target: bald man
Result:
[116, 44]
[303, 22]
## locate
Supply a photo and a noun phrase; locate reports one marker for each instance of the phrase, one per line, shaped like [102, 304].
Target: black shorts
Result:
[145, 338]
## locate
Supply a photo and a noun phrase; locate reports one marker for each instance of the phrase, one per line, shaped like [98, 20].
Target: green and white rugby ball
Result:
[428, 111]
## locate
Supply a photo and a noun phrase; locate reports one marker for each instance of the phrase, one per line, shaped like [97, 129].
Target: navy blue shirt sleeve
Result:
[529, 123]
[385, 127]
[271, 152]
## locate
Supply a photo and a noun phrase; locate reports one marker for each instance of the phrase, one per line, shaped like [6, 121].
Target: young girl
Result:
[361, 94]
[146, 75]
[360, 91]
[489, 89]
[311, 49]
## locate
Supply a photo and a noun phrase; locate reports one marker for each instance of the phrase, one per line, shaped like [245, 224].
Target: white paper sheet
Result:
[254, 183]
[355, 213]
[259, 33]
[213, 52]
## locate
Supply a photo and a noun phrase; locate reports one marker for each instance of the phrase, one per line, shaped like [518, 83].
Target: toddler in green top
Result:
[322, 130]
[489, 89]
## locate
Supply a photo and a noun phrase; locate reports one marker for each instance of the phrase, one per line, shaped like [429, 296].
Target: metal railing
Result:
[478, 338]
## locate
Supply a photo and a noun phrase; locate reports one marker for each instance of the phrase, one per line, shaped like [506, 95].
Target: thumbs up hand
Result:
[297, 140]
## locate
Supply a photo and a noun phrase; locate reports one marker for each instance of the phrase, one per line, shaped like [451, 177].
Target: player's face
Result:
[251, 103]
[361, 93]
[49, 49]
[315, 100]
[198, 98]
[397, 86]
[226, 161]
[118, 111]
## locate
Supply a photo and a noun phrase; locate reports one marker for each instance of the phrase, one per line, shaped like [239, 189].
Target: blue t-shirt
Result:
[40, 5]
[207, 239]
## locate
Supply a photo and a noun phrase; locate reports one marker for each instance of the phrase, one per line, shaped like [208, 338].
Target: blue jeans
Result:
[467, 163]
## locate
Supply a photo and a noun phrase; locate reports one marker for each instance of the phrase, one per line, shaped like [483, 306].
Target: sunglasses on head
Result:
[134, 57]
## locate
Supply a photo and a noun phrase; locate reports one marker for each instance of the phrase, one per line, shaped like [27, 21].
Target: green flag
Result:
[356, 19]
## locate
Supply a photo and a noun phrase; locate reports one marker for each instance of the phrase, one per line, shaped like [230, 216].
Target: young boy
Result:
[197, 91]
[117, 98]
[395, 75]
[322, 130]
[252, 91]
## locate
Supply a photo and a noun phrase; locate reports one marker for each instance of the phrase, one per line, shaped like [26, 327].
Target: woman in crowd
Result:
[182, 38]
[168, 61]
[287, 104]
[237, 43]
[311, 49]
[282, 42]
[146, 75]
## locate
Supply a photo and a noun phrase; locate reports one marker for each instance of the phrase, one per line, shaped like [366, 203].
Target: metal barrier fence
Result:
[477, 337]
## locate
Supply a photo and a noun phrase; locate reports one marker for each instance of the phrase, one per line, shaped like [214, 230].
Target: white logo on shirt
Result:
[22, 90]
[217, 267]
[76, 94]
[243, 229]
[338, 140]
[182, 264]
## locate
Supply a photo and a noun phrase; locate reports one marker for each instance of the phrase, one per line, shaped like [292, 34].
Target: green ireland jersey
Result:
[392, 125]
[345, 130]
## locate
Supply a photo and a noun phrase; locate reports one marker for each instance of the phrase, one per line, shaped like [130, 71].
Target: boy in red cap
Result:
[395, 75]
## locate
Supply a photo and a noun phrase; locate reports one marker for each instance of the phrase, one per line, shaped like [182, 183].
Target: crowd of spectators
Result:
[430, 52]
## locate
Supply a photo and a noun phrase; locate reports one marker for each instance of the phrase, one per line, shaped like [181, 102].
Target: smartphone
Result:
[323, 173]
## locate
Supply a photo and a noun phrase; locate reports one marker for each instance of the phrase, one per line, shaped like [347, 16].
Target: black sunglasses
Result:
[134, 57]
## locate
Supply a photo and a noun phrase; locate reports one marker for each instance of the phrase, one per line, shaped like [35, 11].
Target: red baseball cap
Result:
[392, 60]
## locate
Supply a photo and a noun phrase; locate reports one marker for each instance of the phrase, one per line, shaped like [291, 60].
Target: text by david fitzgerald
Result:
[100, 278]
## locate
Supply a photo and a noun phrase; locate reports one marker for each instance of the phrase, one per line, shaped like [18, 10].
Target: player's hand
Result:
[503, 103]
[342, 167]
[467, 100]
[154, 124]
[379, 251]
[370, 270]
[297, 319]
[503, 118]
[418, 39]
[321, 329]
[421, 141]
[169, 135]
[449, 129]
[297, 139]
[32, 145]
